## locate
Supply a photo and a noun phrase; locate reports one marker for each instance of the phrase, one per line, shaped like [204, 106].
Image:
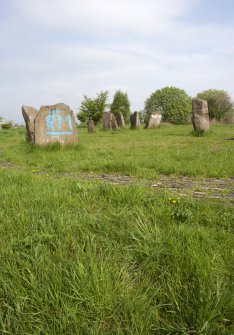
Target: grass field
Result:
[142, 153]
[82, 257]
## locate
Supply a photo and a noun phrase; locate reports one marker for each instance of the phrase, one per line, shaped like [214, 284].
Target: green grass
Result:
[141, 153]
[95, 259]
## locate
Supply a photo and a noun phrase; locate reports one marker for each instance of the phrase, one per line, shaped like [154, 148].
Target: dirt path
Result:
[181, 185]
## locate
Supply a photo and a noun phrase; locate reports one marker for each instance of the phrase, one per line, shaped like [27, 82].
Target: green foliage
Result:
[173, 103]
[93, 108]
[121, 104]
[219, 102]
[7, 125]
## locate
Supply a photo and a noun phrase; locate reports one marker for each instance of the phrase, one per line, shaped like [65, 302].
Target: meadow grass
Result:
[141, 153]
[90, 258]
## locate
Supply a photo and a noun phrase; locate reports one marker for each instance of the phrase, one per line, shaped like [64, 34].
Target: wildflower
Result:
[173, 201]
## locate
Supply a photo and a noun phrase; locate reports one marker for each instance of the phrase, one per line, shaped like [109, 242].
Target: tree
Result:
[121, 104]
[93, 108]
[173, 103]
[220, 105]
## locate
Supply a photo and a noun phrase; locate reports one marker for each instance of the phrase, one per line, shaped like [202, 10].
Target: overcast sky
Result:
[57, 50]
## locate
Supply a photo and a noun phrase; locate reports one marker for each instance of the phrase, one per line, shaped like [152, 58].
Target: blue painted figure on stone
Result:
[50, 120]
[55, 122]
[69, 120]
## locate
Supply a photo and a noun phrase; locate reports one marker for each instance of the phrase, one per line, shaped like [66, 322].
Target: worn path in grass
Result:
[181, 185]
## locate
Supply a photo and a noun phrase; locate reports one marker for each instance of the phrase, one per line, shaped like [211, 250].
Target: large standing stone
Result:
[135, 120]
[120, 120]
[109, 121]
[29, 114]
[154, 120]
[55, 123]
[200, 116]
[91, 126]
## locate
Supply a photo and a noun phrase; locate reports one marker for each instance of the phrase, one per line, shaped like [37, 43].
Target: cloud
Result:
[54, 51]
[92, 16]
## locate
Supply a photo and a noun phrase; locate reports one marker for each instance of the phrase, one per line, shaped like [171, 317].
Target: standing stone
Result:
[109, 121]
[120, 120]
[29, 114]
[135, 120]
[91, 126]
[154, 120]
[55, 123]
[200, 116]
[114, 124]
[106, 120]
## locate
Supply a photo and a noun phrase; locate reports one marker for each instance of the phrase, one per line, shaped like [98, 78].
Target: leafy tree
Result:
[121, 104]
[93, 108]
[173, 103]
[219, 102]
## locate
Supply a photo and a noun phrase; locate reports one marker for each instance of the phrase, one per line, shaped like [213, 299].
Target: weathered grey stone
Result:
[200, 116]
[154, 120]
[55, 123]
[106, 120]
[135, 120]
[120, 120]
[29, 115]
[109, 121]
[91, 126]
[114, 123]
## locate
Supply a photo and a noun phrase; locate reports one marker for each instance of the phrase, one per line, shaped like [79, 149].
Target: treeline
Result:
[173, 103]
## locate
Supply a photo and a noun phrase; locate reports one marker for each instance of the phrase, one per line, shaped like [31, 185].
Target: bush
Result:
[173, 103]
[219, 102]
[7, 125]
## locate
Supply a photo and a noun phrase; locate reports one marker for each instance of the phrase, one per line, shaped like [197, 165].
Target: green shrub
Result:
[7, 125]
[173, 103]
[219, 103]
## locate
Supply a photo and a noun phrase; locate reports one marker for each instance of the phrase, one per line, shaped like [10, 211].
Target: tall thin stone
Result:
[29, 115]
[200, 116]
[120, 120]
[114, 124]
[135, 120]
[91, 126]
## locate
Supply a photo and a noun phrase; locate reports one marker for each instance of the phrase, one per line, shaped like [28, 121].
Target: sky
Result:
[58, 50]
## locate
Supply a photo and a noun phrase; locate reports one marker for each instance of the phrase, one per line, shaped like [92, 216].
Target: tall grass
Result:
[89, 258]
